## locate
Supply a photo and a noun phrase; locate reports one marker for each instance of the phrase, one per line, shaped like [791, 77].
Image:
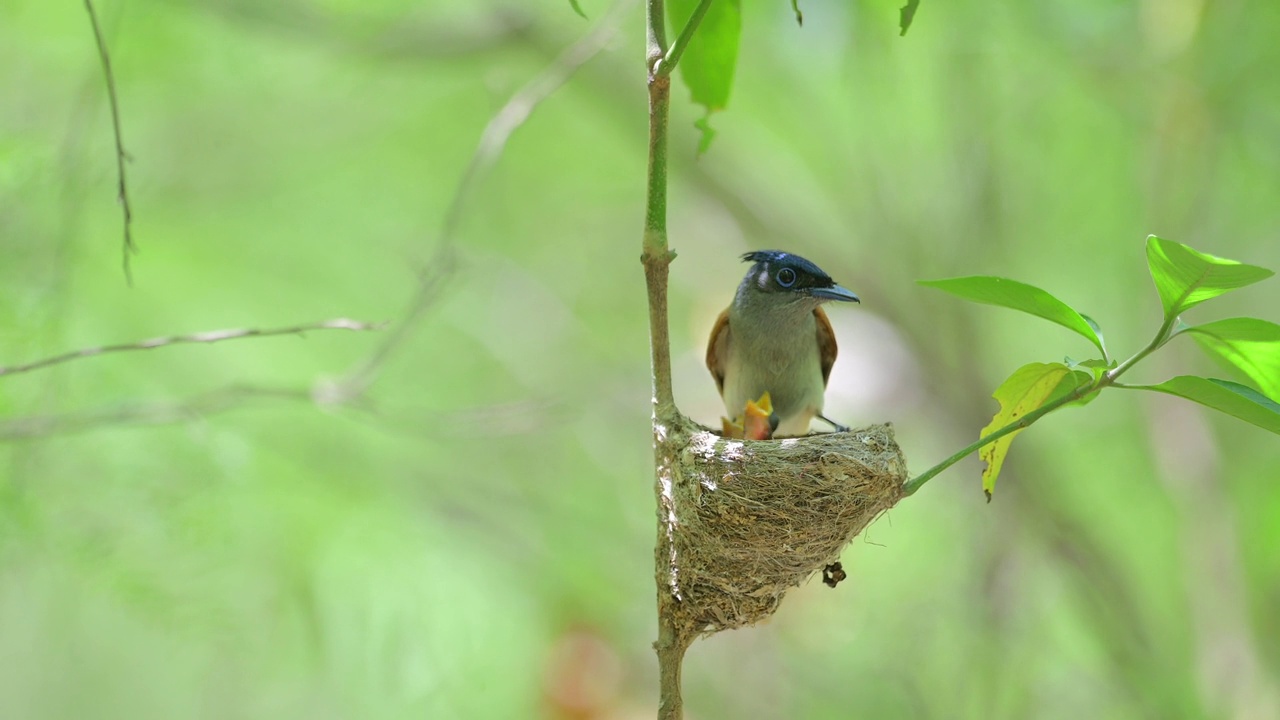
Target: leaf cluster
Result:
[1184, 278]
[709, 56]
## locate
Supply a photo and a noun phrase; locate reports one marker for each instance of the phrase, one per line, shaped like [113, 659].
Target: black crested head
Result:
[777, 259]
[776, 271]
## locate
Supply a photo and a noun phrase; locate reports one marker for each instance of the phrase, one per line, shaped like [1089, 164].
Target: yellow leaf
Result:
[1029, 387]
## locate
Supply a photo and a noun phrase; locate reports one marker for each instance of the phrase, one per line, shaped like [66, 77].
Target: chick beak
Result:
[835, 292]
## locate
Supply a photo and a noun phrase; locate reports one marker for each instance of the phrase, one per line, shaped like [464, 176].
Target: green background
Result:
[475, 540]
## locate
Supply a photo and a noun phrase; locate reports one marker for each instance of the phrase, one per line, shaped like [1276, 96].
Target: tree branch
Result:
[212, 336]
[492, 143]
[412, 38]
[157, 413]
[656, 258]
[1107, 379]
[655, 254]
[429, 289]
[121, 156]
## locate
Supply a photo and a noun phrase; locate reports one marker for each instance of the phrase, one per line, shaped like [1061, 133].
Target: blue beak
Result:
[835, 292]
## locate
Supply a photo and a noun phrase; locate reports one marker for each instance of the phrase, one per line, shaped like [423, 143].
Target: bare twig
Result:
[201, 337]
[157, 413]
[121, 156]
[354, 384]
[492, 142]
[522, 104]
[412, 38]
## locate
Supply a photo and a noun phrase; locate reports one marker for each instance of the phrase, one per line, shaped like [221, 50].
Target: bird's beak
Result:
[835, 292]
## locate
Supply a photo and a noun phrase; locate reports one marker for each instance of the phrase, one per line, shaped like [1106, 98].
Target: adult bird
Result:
[775, 337]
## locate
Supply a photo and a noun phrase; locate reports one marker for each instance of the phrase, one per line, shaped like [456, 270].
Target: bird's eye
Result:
[786, 277]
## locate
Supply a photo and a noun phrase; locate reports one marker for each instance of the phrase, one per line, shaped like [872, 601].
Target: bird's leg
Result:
[838, 427]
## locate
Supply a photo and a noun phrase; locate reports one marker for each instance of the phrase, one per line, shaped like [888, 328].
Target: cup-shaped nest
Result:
[747, 520]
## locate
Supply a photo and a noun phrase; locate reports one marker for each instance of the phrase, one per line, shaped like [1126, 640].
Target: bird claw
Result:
[838, 427]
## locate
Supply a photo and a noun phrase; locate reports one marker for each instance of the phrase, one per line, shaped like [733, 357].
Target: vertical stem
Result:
[671, 646]
[656, 258]
[656, 274]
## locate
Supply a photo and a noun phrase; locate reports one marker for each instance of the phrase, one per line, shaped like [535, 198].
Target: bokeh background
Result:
[195, 532]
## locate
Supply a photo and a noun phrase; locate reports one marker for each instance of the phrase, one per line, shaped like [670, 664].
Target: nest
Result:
[744, 521]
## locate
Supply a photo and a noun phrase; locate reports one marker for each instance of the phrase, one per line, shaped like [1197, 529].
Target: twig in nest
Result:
[202, 337]
[121, 156]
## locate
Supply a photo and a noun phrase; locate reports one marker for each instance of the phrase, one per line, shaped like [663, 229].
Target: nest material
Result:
[744, 521]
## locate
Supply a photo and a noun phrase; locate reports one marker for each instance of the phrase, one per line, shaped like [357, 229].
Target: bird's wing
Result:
[826, 344]
[718, 349]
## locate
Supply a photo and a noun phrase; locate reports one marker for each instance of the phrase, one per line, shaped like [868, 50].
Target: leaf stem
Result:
[1025, 421]
[1106, 379]
[672, 56]
[1163, 336]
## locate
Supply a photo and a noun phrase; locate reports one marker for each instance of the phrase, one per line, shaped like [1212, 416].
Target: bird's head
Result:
[783, 279]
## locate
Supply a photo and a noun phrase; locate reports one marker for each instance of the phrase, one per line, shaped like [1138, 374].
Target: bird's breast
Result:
[781, 358]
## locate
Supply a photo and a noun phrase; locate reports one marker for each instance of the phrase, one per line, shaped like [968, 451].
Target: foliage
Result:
[1184, 278]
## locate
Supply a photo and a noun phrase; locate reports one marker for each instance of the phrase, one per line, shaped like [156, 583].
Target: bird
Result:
[775, 337]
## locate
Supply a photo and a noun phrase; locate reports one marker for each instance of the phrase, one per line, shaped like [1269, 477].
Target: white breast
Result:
[783, 360]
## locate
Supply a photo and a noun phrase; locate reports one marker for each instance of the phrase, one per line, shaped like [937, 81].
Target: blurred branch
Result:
[352, 387]
[158, 413]
[121, 156]
[492, 143]
[350, 32]
[202, 337]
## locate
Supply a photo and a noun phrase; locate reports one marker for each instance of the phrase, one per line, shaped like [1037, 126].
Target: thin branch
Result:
[1021, 423]
[672, 56]
[412, 38]
[492, 143]
[429, 289]
[121, 156]
[1107, 379]
[158, 413]
[201, 337]
[522, 104]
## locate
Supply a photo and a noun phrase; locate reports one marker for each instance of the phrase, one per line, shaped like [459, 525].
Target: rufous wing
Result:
[826, 343]
[718, 349]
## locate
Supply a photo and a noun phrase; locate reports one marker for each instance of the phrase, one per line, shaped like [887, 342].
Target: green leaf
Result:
[708, 133]
[1097, 330]
[1028, 388]
[1185, 278]
[795, 5]
[709, 60]
[577, 8]
[1020, 296]
[1231, 398]
[1083, 373]
[906, 14]
[1249, 344]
